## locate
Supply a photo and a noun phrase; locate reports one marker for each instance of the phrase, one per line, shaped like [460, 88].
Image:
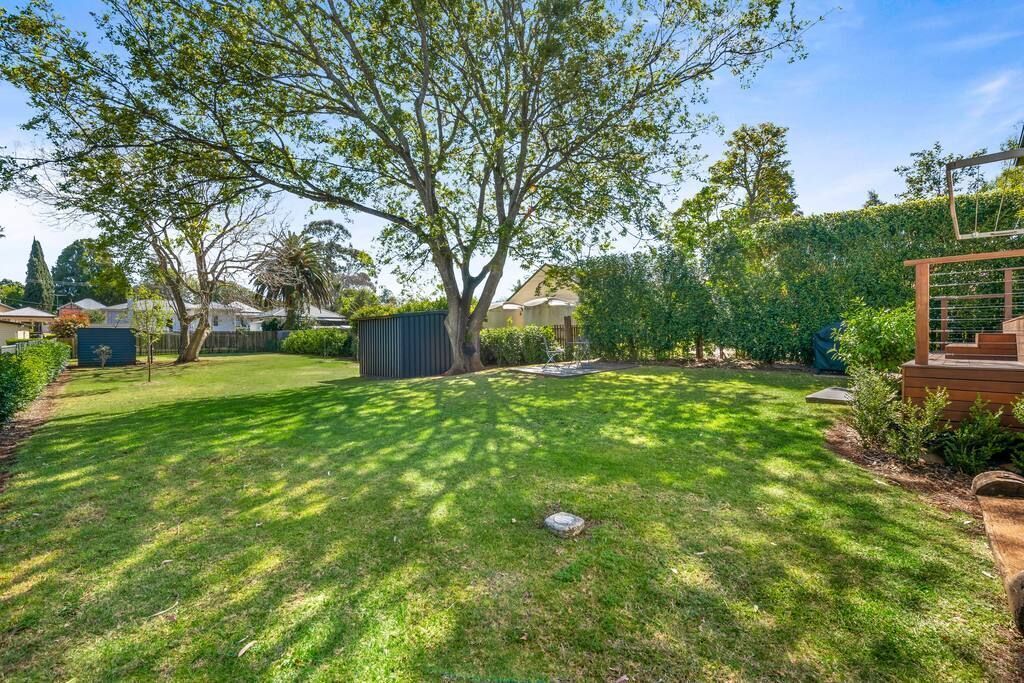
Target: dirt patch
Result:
[941, 486]
[15, 432]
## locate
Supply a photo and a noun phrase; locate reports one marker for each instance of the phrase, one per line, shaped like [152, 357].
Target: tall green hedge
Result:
[766, 294]
[811, 269]
[644, 305]
[24, 375]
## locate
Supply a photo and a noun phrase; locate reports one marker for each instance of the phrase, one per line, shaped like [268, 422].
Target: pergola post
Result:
[922, 334]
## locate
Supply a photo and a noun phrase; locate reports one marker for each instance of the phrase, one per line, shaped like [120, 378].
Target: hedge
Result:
[765, 295]
[24, 375]
[515, 345]
[324, 341]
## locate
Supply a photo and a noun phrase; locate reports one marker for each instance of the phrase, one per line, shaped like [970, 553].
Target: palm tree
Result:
[295, 268]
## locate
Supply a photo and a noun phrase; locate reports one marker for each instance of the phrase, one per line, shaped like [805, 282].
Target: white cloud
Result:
[990, 93]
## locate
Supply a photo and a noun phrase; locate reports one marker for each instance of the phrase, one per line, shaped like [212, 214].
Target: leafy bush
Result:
[66, 325]
[24, 375]
[916, 426]
[877, 338]
[324, 341]
[644, 305]
[979, 438]
[874, 406]
[1018, 450]
[515, 345]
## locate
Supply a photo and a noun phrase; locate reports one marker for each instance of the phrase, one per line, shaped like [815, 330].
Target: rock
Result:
[564, 524]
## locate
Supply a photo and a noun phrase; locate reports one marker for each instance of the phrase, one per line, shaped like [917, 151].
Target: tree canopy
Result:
[85, 269]
[478, 132]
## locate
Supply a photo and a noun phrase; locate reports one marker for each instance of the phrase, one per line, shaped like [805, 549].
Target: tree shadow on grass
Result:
[367, 529]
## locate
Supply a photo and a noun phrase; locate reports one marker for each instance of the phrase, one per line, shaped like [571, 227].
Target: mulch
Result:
[17, 431]
[942, 486]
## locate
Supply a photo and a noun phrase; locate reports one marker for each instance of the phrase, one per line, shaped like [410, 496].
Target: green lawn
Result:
[391, 530]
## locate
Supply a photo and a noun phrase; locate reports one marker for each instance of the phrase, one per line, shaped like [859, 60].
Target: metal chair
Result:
[553, 353]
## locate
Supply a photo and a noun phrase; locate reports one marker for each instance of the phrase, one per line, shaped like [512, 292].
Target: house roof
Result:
[85, 304]
[244, 308]
[5, 307]
[536, 288]
[213, 306]
[27, 312]
[314, 312]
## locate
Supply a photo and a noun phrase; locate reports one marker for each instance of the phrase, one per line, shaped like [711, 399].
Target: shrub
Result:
[102, 353]
[878, 338]
[916, 426]
[979, 438]
[1018, 449]
[874, 406]
[515, 345]
[323, 341]
[24, 375]
[66, 325]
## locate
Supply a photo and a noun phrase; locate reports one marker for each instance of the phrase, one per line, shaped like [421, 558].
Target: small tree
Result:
[102, 353]
[150, 319]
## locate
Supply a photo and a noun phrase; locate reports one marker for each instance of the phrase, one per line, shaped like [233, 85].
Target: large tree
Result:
[925, 174]
[478, 132]
[751, 183]
[38, 281]
[85, 269]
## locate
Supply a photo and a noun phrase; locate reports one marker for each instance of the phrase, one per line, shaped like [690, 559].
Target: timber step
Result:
[1001, 497]
[986, 346]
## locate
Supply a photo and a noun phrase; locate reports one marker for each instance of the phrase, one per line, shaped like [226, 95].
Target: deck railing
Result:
[956, 297]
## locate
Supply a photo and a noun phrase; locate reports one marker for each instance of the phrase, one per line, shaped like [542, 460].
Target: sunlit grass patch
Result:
[365, 530]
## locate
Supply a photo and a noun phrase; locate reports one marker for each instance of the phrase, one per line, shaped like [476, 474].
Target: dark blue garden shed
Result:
[120, 340]
[404, 345]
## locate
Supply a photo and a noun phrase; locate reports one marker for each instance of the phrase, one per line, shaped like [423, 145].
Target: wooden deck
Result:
[998, 382]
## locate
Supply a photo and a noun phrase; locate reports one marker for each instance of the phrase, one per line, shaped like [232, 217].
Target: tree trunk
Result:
[196, 340]
[465, 341]
[700, 347]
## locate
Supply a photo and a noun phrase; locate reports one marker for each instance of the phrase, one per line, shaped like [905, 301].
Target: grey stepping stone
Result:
[564, 524]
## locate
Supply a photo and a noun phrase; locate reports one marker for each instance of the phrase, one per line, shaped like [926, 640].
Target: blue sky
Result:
[881, 80]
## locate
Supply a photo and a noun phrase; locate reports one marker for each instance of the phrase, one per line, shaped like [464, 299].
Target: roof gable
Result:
[535, 287]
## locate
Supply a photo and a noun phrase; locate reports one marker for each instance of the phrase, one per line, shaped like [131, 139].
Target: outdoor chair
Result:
[553, 353]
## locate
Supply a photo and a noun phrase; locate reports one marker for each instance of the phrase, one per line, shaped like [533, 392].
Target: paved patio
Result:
[571, 369]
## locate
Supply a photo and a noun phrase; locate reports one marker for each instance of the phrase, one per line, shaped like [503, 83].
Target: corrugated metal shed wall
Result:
[404, 345]
[120, 340]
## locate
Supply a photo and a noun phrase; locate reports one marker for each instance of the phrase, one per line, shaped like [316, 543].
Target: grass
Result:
[391, 530]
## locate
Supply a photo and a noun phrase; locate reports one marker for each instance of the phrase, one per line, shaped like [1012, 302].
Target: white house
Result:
[538, 301]
[321, 317]
[222, 317]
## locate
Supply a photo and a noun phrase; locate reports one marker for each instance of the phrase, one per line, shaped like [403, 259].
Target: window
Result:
[216, 320]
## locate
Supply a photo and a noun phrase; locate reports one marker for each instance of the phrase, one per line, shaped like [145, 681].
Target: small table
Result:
[580, 350]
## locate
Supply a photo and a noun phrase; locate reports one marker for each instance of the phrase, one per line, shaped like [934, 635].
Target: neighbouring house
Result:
[248, 317]
[321, 317]
[4, 307]
[222, 317]
[82, 306]
[538, 301]
[35, 321]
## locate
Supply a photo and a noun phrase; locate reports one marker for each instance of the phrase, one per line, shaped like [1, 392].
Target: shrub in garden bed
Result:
[515, 345]
[24, 375]
[324, 341]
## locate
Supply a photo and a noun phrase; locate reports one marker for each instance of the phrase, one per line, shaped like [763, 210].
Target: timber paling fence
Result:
[221, 342]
